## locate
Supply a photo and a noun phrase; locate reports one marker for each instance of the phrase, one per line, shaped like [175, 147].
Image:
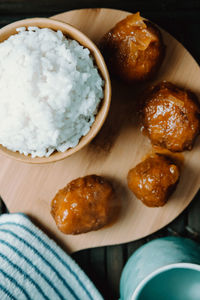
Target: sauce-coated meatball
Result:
[153, 180]
[171, 117]
[133, 49]
[85, 204]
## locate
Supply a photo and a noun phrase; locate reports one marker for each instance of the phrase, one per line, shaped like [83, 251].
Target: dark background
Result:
[181, 19]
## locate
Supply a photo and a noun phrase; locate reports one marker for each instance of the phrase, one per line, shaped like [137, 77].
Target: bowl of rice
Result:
[55, 90]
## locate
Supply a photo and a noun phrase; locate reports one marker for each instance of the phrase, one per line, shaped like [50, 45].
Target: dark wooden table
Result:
[181, 19]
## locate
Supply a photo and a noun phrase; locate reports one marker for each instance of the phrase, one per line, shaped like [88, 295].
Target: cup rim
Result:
[141, 285]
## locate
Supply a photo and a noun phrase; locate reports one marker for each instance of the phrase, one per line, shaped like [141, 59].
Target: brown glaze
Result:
[133, 49]
[176, 157]
[171, 117]
[85, 204]
[154, 179]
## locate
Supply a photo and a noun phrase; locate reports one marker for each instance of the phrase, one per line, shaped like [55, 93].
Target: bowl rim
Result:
[181, 265]
[100, 63]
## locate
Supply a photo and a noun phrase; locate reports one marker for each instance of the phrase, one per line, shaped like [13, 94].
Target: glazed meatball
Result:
[171, 117]
[85, 204]
[133, 49]
[153, 180]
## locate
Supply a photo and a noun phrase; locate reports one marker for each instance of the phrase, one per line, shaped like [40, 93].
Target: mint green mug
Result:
[163, 269]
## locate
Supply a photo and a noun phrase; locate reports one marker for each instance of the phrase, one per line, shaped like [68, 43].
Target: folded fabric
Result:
[32, 266]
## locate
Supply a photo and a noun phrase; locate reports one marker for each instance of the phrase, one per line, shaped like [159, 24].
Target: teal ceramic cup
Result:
[163, 269]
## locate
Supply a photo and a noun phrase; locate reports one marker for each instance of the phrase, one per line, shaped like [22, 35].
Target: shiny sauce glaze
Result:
[85, 204]
[133, 49]
[154, 179]
[171, 117]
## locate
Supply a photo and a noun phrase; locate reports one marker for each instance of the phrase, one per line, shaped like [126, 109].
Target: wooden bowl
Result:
[75, 34]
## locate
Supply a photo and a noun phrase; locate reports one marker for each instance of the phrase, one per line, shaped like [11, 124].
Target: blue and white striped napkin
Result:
[32, 266]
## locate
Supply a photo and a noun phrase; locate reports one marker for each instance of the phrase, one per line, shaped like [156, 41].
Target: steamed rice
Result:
[50, 91]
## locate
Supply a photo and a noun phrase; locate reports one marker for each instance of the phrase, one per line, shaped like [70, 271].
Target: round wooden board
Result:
[118, 147]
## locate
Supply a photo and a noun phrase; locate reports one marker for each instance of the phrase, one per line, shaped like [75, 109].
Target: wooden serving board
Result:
[119, 146]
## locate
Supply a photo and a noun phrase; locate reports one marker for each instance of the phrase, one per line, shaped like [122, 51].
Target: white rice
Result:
[50, 91]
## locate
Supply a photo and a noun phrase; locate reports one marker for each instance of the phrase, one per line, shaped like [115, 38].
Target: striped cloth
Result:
[33, 267]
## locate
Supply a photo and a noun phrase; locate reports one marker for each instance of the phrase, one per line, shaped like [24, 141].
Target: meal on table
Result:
[85, 204]
[171, 117]
[50, 92]
[133, 49]
[154, 180]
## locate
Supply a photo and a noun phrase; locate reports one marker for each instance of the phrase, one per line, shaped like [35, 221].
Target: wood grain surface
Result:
[174, 16]
[118, 147]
